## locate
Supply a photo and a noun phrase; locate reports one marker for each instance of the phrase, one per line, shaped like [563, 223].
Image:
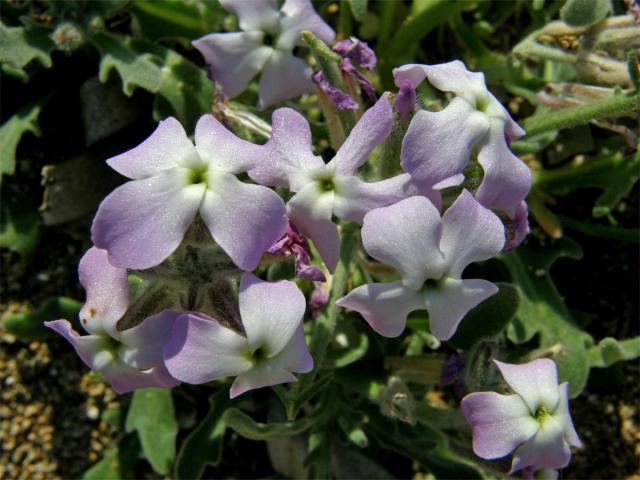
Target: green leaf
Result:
[249, 428]
[204, 444]
[118, 463]
[614, 173]
[358, 9]
[542, 310]
[582, 13]
[19, 46]
[20, 222]
[489, 318]
[350, 344]
[29, 326]
[610, 351]
[136, 70]
[151, 414]
[25, 120]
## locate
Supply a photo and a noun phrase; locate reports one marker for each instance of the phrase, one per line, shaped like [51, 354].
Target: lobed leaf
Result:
[610, 351]
[11, 132]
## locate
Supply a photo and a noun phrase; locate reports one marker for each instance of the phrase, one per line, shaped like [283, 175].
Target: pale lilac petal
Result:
[143, 343]
[233, 59]
[244, 219]
[507, 179]
[271, 312]
[200, 350]
[164, 149]
[124, 379]
[547, 448]
[222, 150]
[470, 233]
[413, 73]
[261, 375]
[290, 153]
[354, 197]
[372, 129]
[499, 423]
[300, 15]
[384, 306]
[536, 382]
[406, 236]
[284, 76]
[517, 228]
[295, 355]
[451, 300]
[90, 348]
[454, 77]
[143, 221]
[310, 210]
[107, 292]
[254, 14]
[438, 145]
[563, 416]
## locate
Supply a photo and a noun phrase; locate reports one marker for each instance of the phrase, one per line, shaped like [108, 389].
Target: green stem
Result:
[574, 116]
[630, 235]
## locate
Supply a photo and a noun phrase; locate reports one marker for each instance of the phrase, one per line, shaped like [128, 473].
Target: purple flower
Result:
[357, 51]
[292, 243]
[517, 227]
[143, 221]
[340, 99]
[201, 349]
[406, 99]
[534, 421]
[129, 359]
[430, 253]
[324, 190]
[348, 70]
[475, 119]
[265, 44]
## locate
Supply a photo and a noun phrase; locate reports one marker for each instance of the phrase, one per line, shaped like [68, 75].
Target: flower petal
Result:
[300, 15]
[547, 448]
[233, 59]
[200, 350]
[270, 311]
[262, 375]
[244, 219]
[124, 379]
[406, 236]
[107, 292]
[428, 152]
[310, 211]
[454, 77]
[283, 76]
[413, 73]
[499, 423]
[536, 382]
[450, 302]
[470, 233]
[255, 14]
[507, 179]
[90, 348]
[384, 306]
[354, 198]
[165, 147]
[372, 129]
[143, 221]
[222, 150]
[563, 416]
[142, 344]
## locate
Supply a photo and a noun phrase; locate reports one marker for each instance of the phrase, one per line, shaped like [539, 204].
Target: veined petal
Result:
[354, 198]
[546, 449]
[222, 150]
[143, 344]
[107, 292]
[270, 311]
[499, 423]
[372, 129]
[507, 179]
[167, 145]
[234, 58]
[290, 152]
[451, 300]
[406, 236]
[283, 76]
[244, 219]
[384, 306]
[200, 350]
[470, 233]
[310, 211]
[428, 152]
[563, 417]
[536, 382]
[255, 14]
[143, 221]
[299, 15]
